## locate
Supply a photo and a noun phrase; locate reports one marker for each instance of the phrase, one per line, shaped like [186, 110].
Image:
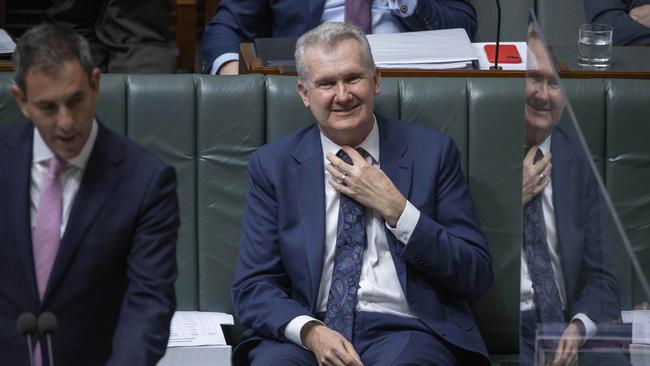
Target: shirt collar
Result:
[370, 144]
[546, 145]
[41, 152]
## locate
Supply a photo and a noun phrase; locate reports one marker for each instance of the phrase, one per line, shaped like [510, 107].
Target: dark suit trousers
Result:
[380, 340]
[125, 36]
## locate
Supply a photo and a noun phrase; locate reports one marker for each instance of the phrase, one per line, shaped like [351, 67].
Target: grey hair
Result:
[329, 35]
[45, 47]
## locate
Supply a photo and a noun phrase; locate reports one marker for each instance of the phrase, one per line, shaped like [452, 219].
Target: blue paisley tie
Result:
[547, 295]
[350, 244]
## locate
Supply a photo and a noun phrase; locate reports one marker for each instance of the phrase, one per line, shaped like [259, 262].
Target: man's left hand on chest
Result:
[367, 185]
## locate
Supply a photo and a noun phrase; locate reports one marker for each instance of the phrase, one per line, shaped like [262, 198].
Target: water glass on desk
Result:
[595, 45]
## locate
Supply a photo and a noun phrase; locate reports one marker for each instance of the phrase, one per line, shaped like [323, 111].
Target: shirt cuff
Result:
[402, 8]
[293, 328]
[406, 223]
[226, 57]
[590, 326]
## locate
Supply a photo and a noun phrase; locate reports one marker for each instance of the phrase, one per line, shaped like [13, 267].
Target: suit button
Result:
[404, 9]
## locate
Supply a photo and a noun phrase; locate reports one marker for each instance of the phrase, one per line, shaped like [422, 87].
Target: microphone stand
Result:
[496, 52]
[47, 325]
[26, 326]
[49, 349]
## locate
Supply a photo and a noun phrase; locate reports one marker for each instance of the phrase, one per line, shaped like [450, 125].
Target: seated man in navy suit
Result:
[567, 281]
[89, 220]
[237, 21]
[360, 245]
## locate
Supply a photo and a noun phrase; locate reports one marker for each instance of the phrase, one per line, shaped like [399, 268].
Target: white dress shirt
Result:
[526, 289]
[384, 13]
[71, 174]
[379, 288]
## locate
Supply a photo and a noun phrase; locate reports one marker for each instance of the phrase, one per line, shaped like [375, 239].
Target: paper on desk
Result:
[442, 66]
[641, 326]
[484, 64]
[7, 45]
[428, 47]
[198, 328]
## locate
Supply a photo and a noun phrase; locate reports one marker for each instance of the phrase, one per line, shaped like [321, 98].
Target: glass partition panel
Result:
[578, 268]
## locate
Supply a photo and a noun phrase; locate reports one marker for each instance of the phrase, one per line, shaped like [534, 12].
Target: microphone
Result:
[496, 52]
[47, 325]
[26, 327]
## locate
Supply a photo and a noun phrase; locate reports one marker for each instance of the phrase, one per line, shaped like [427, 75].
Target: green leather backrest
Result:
[9, 111]
[440, 103]
[495, 139]
[588, 99]
[627, 168]
[231, 126]
[161, 116]
[111, 106]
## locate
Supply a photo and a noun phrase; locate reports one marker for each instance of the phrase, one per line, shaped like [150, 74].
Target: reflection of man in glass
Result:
[564, 276]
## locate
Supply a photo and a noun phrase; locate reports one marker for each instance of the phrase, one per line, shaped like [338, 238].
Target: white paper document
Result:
[448, 48]
[442, 66]
[7, 45]
[197, 356]
[641, 326]
[198, 328]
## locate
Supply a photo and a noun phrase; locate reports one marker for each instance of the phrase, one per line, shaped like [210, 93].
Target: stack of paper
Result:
[197, 339]
[437, 49]
[640, 320]
[7, 45]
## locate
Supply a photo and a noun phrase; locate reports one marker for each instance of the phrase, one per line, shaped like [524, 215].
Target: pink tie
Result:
[358, 13]
[47, 232]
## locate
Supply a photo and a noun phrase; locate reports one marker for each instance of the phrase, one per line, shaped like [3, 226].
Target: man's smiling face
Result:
[340, 91]
[544, 96]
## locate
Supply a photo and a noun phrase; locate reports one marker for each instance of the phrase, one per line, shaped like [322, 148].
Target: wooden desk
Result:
[629, 62]
[6, 66]
[251, 64]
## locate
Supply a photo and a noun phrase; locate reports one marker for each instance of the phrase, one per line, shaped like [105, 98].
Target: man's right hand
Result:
[329, 346]
[229, 68]
[535, 176]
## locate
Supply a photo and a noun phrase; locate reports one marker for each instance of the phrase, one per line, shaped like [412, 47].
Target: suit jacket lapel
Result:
[398, 167]
[15, 185]
[307, 181]
[564, 193]
[102, 175]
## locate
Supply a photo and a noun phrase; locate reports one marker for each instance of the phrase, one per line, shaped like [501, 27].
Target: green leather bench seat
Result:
[206, 127]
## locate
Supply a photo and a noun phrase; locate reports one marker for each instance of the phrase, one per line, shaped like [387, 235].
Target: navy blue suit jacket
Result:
[112, 284]
[582, 229]
[627, 31]
[444, 266]
[237, 21]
